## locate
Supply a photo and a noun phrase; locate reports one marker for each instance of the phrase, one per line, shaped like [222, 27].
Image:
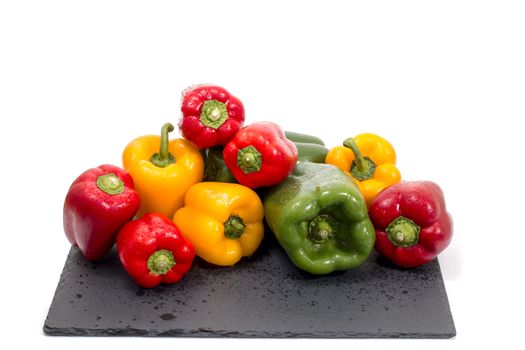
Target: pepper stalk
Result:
[362, 168]
[164, 158]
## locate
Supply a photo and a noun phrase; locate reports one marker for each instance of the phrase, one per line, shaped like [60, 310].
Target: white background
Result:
[444, 81]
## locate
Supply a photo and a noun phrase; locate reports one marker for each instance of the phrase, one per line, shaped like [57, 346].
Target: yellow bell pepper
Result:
[162, 177]
[224, 221]
[370, 160]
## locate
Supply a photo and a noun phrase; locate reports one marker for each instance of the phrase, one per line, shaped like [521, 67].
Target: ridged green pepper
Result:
[310, 148]
[311, 152]
[303, 138]
[215, 169]
[320, 219]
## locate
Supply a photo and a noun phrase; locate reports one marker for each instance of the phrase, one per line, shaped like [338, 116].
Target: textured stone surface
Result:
[264, 296]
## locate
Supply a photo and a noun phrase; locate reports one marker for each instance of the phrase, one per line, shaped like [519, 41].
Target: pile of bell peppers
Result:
[209, 193]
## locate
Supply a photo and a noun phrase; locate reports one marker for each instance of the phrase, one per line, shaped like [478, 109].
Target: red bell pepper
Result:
[211, 116]
[97, 204]
[260, 155]
[153, 250]
[412, 223]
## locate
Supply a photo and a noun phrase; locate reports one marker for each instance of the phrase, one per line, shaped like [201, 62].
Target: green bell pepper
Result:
[320, 219]
[310, 148]
[311, 152]
[303, 138]
[214, 167]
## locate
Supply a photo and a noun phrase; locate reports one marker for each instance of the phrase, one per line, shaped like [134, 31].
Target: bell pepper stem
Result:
[213, 114]
[161, 262]
[110, 183]
[362, 168]
[234, 227]
[164, 158]
[322, 228]
[249, 159]
[403, 232]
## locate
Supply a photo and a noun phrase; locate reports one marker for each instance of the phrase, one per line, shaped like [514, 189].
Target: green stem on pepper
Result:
[322, 228]
[362, 168]
[110, 184]
[249, 159]
[160, 262]
[164, 158]
[403, 232]
[214, 113]
[234, 227]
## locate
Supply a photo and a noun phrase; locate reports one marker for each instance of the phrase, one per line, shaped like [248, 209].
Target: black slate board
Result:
[263, 296]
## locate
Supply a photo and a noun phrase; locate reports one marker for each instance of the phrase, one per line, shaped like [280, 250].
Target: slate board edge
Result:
[441, 282]
[49, 330]
[202, 333]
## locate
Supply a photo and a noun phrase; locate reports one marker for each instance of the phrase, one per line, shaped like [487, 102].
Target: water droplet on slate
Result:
[167, 316]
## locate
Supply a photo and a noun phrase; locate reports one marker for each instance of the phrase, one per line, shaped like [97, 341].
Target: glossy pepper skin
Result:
[97, 204]
[309, 148]
[412, 223]
[320, 219]
[370, 160]
[260, 155]
[152, 250]
[163, 170]
[211, 116]
[298, 137]
[224, 221]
